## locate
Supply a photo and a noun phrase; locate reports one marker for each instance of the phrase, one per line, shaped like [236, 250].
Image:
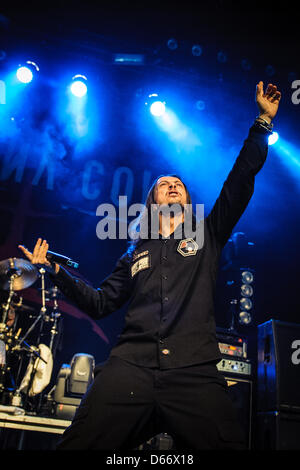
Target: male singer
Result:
[161, 376]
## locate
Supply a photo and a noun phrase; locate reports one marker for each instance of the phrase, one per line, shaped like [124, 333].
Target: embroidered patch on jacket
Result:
[140, 265]
[139, 255]
[187, 247]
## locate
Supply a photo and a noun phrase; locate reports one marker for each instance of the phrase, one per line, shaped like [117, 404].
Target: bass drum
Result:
[42, 370]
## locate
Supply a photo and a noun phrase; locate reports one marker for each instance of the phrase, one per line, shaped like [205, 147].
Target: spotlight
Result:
[24, 75]
[172, 44]
[157, 107]
[78, 87]
[222, 57]
[272, 139]
[200, 105]
[196, 50]
[245, 303]
[270, 70]
[245, 318]
[246, 65]
[246, 290]
[247, 277]
[25, 72]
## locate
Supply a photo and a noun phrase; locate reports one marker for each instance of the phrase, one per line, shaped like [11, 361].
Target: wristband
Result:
[264, 125]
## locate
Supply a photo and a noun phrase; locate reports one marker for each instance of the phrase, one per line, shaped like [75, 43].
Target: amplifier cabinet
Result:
[240, 391]
[277, 430]
[278, 367]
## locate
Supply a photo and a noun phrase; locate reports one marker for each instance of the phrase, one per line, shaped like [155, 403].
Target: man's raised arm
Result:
[239, 185]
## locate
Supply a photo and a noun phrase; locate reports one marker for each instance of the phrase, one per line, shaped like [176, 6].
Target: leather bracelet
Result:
[266, 122]
[264, 125]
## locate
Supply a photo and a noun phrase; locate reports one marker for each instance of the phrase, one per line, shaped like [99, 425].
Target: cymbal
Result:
[24, 273]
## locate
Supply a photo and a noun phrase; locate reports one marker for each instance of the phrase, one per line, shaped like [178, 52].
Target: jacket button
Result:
[166, 299]
[166, 352]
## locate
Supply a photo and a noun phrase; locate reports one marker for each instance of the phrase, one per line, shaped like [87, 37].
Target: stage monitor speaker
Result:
[278, 368]
[277, 430]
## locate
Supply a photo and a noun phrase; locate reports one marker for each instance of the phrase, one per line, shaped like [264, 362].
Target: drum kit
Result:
[16, 389]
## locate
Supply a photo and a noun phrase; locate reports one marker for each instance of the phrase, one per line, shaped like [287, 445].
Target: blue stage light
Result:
[78, 87]
[24, 74]
[157, 108]
[273, 138]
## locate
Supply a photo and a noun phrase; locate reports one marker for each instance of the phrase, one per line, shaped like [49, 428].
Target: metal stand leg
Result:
[21, 440]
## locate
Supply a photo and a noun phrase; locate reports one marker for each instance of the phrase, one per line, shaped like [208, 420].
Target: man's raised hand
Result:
[267, 101]
[38, 256]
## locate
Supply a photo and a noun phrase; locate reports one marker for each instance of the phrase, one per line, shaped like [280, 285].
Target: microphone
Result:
[61, 259]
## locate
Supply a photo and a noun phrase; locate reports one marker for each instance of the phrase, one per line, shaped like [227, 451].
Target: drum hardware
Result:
[17, 274]
[2, 363]
[33, 351]
[55, 316]
[12, 273]
[20, 305]
[42, 313]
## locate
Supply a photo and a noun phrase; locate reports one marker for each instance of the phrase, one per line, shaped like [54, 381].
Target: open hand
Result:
[38, 256]
[267, 102]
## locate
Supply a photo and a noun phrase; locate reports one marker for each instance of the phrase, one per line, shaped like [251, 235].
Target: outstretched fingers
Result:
[38, 256]
[276, 97]
[39, 252]
[36, 249]
[260, 88]
[272, 93]
[43, 250]
[26, 252]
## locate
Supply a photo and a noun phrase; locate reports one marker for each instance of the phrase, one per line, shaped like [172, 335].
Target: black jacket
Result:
[170, 318]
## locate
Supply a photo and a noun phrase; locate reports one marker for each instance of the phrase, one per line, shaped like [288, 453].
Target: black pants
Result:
[126, 405]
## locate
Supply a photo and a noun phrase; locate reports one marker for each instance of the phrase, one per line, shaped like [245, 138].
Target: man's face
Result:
[170, 190]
